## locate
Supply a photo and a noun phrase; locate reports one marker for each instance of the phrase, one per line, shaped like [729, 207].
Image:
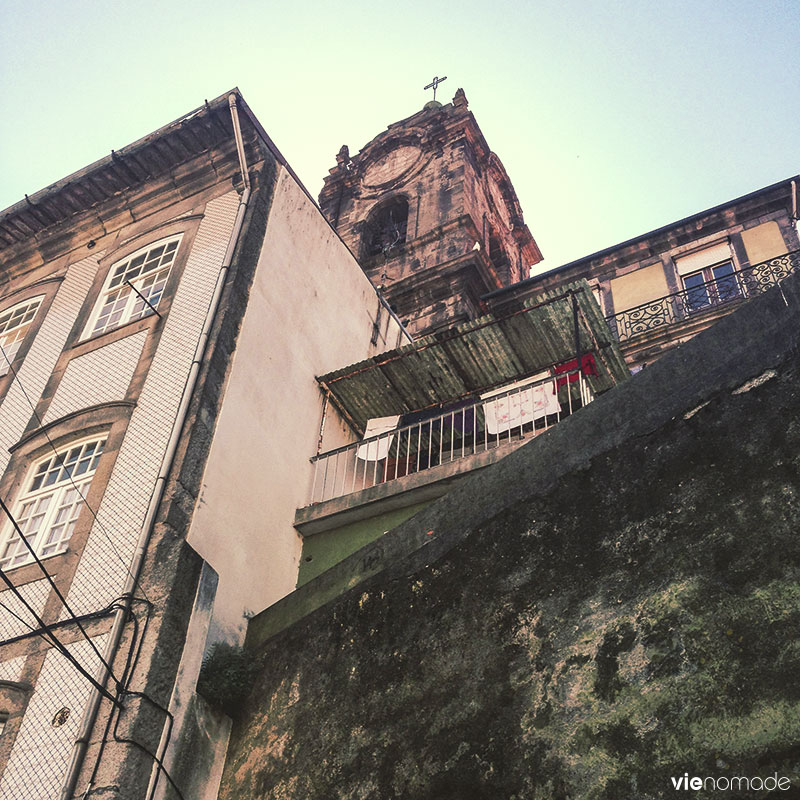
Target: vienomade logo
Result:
[736, 783]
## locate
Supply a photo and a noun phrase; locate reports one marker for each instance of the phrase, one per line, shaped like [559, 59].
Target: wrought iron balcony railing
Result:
[522, 412]
[735, 286]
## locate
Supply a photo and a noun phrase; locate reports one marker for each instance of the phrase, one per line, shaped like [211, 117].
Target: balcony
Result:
[495, 424]
[407, 426]
[727, 290]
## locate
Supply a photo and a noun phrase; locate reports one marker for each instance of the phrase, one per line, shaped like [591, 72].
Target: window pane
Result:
[48, 517]
[151, 288]
[727, 285]
[66, 515]
[14, 325]
[697, 292]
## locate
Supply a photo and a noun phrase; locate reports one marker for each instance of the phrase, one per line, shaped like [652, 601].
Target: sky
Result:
[611, 118]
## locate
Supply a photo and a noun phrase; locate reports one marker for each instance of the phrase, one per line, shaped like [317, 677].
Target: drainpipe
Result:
[121, 615]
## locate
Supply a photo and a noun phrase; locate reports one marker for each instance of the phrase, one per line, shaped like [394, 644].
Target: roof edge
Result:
[39, 195]
[606, 250]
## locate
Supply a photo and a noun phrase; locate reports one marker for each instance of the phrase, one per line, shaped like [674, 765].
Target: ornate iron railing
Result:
[736, 286]
[471, 428]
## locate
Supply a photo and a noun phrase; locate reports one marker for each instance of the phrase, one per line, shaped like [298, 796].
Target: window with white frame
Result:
[50, 504]
[14, 325]
[709, 277]
[711, 286]
[134, 286]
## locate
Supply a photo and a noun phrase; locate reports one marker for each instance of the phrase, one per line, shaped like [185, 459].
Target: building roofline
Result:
[41, 194]
[606, 250]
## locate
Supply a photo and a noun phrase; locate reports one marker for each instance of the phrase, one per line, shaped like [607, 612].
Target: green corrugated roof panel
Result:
[479, 355]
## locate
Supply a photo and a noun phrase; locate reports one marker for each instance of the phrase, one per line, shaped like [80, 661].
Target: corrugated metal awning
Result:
[479, 355]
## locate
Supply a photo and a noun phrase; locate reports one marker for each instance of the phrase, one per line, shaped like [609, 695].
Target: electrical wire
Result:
[55, 588]
[18, 617]
[153, 756]
[120, 685]
[90, 617]
[48, 635]
[115, 715]
[127, 672]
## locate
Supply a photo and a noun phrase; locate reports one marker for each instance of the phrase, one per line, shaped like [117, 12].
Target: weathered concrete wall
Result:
[610, 606]
[307, 286]
[322, 551]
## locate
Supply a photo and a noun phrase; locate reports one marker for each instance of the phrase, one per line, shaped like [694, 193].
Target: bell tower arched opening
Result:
[385, 228]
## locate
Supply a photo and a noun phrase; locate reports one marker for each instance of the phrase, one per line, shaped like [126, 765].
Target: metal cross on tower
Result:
[434, 83]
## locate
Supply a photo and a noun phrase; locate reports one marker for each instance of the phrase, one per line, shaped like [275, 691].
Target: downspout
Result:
[121, 615]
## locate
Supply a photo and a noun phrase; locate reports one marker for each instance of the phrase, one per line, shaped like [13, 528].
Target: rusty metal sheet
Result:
[479, 355]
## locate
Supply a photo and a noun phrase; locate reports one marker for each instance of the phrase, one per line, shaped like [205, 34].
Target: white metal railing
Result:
[520, 412]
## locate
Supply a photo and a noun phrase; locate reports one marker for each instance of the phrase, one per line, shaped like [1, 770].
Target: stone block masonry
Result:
[580, 627]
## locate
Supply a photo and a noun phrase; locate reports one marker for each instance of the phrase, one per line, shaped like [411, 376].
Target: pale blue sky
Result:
[612, 118]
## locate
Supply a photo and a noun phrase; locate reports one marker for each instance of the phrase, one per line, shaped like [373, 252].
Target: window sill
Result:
[115, 334]
[29, 571]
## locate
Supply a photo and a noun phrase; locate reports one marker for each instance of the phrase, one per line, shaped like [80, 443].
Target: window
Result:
[49, 507]
[497, 254]
[141, 275]
[14, 324]
[386, 228]
[711, 286]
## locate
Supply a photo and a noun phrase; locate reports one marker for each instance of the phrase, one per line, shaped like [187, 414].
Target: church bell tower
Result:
[431, 215]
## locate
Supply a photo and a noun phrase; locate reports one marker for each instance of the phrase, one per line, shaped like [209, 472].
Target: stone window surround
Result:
[14, 697]
[367, 226]
[112, 417]
[58, 494]
[131, 299]
[714, 289]
[75, 346]
[18, 328]
[46, 289]
[187, 227]
[109, 420]
[731, 235]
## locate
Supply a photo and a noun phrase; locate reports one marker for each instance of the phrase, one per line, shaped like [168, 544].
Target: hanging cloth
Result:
[379, 448]
[515, 409]
[588, 367]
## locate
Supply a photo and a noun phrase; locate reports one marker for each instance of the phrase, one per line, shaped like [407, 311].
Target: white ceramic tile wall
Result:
[14, 616]
[100, 376]
[35, 371]
[39, 759]
[103, 567]
[11, 670]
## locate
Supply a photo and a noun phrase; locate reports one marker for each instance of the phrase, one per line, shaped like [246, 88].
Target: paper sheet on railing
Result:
[515, 409]
[379, 449]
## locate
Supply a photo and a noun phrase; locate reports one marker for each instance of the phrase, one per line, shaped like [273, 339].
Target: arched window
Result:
[134, 286]
[497, 255]
[386, 228]
[14, 325]
[48, 508]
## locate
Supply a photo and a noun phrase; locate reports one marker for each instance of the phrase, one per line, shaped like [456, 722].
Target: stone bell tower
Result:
[431, 215]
